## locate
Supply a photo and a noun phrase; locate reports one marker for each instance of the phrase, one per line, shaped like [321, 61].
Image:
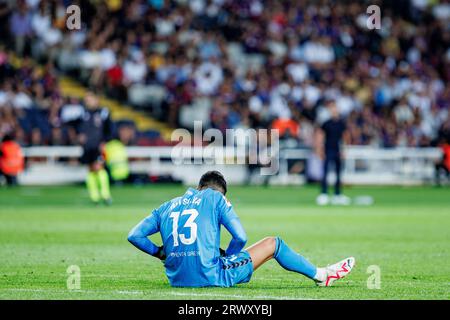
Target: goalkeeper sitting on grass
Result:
[190, 230]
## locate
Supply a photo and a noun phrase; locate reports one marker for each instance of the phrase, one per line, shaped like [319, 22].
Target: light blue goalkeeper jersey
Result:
[190, 231]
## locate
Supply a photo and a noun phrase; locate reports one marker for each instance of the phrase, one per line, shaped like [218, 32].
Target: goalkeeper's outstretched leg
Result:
[275, 247]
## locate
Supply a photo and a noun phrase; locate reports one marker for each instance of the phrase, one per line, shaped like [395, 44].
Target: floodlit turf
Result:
[45, 230]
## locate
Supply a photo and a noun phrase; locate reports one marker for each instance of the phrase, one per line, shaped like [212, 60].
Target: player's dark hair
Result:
[213, 179]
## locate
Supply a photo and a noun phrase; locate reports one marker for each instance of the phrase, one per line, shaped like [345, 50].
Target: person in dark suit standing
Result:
[333, 130]
[95, 130]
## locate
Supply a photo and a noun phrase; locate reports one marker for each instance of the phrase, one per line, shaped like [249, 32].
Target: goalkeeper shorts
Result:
[235, 269]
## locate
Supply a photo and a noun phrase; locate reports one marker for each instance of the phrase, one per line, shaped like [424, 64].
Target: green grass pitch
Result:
[43, 230]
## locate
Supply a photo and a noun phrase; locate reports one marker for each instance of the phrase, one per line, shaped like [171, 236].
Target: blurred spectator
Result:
[21, 27]
[12, 160]
[443, 166]
[116, 160]
[248, 63]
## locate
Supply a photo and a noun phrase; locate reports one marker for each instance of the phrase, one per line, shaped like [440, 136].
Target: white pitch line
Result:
[174, 293]
[135, 292]
[218, 295]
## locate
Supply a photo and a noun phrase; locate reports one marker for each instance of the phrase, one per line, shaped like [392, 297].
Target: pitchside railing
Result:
[363, 165]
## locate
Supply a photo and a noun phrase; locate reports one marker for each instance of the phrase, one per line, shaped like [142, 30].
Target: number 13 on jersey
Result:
[190, 223]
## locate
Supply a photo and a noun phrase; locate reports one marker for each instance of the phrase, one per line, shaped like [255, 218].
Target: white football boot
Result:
[337, 271]
[322, 199]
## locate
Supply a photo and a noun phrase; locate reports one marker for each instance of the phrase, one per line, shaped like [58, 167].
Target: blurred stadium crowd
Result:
[232, 64]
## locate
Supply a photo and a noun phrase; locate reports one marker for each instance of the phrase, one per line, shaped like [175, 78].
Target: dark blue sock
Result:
[292, 261]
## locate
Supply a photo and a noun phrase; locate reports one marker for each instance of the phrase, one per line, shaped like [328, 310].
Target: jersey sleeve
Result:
[108, 126]
[343, 126]
[138, 236]
[225, 210]
[230, 220]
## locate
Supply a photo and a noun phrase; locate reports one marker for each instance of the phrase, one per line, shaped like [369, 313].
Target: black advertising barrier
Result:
[229, 309]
